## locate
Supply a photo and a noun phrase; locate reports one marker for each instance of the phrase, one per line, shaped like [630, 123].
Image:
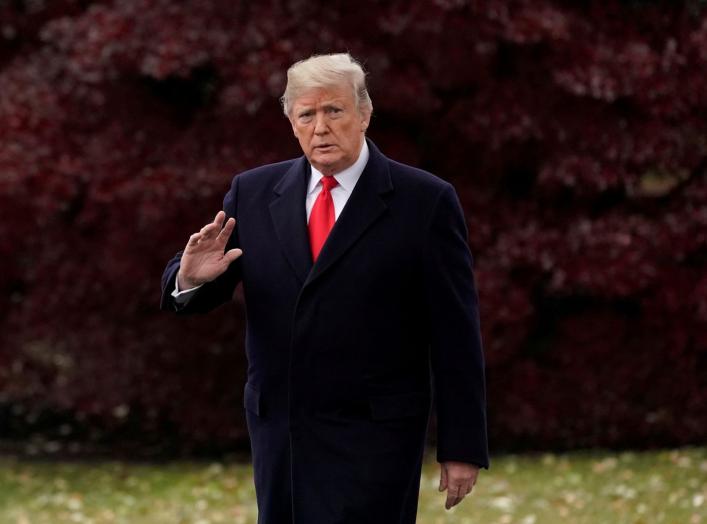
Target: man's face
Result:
[329, 128]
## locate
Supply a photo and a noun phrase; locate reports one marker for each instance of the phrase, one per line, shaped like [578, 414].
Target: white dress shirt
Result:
[346, 182]
[340, 194]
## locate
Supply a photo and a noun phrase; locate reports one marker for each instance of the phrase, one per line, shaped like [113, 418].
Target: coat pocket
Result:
[399, 406]
[251, 400]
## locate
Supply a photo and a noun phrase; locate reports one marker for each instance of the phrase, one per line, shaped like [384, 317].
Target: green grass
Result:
[597, 488]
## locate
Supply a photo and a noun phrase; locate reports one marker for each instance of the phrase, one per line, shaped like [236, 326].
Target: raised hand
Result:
[203, 258]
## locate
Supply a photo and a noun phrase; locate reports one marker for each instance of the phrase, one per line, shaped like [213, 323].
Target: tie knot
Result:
[329, 182]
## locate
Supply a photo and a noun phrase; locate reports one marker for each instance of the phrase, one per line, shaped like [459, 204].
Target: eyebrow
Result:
[329, 105]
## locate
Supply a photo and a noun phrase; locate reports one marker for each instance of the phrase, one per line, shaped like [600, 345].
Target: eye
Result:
[334, 110]
[305, 116]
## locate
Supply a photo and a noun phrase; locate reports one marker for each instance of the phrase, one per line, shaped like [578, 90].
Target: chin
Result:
[325, 163]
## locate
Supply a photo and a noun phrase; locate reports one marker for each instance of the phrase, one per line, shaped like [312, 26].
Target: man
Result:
[358, 286]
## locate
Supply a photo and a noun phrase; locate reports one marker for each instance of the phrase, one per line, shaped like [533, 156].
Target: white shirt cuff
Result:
[184, 296]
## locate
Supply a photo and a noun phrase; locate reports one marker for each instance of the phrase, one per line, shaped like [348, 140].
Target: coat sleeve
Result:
[214, 293]
[455, 338]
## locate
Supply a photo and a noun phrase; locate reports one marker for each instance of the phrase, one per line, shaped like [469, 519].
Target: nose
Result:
[320, 125]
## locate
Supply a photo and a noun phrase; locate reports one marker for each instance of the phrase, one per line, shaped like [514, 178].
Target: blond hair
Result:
[326, 71]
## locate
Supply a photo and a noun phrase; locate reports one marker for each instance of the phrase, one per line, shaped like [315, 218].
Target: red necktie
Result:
[322, 218]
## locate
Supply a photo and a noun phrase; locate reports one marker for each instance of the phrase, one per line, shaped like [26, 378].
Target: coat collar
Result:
[289, 217]
[365, 205]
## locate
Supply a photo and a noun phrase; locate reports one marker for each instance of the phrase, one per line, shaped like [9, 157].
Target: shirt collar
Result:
[346, 178]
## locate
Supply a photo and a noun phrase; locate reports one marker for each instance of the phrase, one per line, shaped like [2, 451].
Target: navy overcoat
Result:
[346, 355]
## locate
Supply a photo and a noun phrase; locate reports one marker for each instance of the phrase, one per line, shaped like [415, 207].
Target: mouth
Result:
[324, 147]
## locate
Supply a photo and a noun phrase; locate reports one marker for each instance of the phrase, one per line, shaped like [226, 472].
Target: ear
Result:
[365, 120]
[294, 129]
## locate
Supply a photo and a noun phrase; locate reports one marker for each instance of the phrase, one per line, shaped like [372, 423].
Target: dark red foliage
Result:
[573, 131]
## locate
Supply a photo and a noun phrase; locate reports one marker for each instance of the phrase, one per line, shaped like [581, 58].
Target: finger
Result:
[194, 240]
[442, 477]
[214, 227]
[209, 230]
[225, 233]
[453, 497]
[232, 254]
[464, 489]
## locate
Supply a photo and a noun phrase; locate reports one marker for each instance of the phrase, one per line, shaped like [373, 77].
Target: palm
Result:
[204, 259]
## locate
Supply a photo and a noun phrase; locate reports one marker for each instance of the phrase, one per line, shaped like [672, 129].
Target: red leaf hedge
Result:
[573, 132]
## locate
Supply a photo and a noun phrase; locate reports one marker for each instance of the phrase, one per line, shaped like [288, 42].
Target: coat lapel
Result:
[290, 218]
[364, 207]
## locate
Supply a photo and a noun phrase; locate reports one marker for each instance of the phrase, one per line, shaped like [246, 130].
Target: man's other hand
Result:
[458, 478]
[203, 258]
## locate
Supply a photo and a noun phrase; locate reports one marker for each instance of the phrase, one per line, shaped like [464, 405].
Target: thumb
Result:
[232, 254]
[442, 477]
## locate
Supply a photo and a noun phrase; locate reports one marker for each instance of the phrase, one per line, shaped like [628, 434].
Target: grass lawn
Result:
[601, 488]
